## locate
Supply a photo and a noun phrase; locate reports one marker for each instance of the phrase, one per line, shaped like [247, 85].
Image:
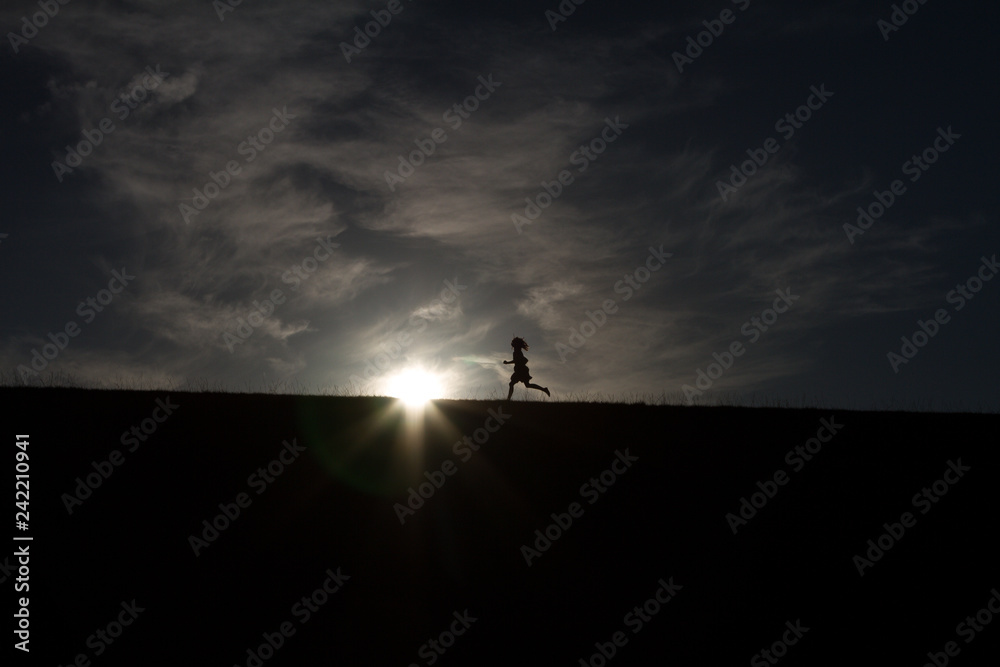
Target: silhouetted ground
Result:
[331, 508]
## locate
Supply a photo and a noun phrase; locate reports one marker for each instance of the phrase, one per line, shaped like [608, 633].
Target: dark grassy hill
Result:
[670, 477]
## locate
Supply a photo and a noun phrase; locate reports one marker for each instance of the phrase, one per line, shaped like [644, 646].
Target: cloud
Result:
[323, 176]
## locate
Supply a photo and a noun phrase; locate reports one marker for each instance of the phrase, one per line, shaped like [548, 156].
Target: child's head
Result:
[518, 343]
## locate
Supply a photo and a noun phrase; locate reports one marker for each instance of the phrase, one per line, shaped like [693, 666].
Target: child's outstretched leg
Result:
[535, 386]
[511, 392]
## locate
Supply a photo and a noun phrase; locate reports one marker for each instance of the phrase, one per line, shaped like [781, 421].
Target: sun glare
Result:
[414, 387]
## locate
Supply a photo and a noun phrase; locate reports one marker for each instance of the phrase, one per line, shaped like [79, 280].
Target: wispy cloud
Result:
[322, 176]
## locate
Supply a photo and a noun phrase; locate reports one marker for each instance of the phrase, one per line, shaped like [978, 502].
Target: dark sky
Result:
[374, 258]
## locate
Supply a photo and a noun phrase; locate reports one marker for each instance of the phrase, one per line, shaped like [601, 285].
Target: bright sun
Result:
[414, 387]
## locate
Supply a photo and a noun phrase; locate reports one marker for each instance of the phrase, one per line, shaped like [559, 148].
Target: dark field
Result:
[642, 493]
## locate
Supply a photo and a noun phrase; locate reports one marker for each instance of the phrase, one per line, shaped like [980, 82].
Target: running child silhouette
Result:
[521, 368]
